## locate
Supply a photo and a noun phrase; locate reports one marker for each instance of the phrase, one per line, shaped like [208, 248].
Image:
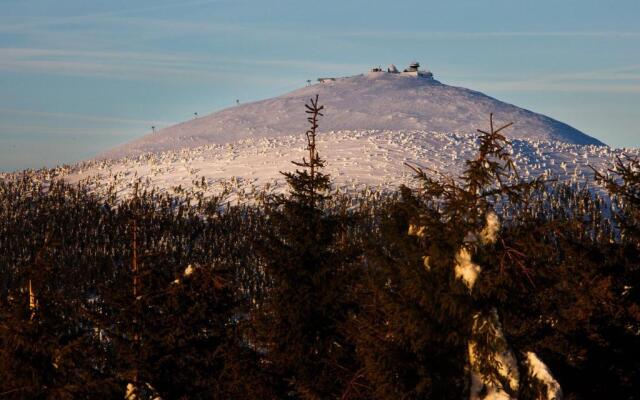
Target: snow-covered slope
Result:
[356, 160]
[375, 101]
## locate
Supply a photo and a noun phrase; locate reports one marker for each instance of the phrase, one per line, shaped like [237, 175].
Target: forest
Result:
[482, 286]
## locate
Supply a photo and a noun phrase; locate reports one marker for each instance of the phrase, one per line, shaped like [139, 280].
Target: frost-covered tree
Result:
[434, 334]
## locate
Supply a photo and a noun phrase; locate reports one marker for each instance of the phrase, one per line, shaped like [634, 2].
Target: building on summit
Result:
[412, 70]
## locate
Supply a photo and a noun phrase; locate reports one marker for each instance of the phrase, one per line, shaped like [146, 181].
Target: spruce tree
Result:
[623, 183]
[48, 345]
[433, 336]
[170, 320]
[299, 322]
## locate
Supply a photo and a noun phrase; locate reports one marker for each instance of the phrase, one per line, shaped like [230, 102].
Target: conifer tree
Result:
[299, 323]
[434, 336]
[48, 348]
[436, 292]
[171, 326]
[623, 183]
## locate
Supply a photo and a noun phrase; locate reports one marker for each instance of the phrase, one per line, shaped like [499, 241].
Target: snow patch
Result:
[130, 392]
[425, 262]
[465, 269]
[489, 233]
[540, 371]
[484, 387]
[415, 230]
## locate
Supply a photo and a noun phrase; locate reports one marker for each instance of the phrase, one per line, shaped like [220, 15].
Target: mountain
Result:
[373, 125]
[379, 101]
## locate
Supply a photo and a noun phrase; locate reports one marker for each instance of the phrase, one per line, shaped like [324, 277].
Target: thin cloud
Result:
[552, 86]
[621, 79]
[81, 117]
[122, 66]
[482, 35]
[623, 73]
[34, 130]
[150, 66]
[299, 64]
[21, 52]
[98, 16]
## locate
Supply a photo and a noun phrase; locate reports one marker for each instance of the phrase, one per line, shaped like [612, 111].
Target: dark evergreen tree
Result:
[299, 322]
[171, 324]
[623, 183]
[48, 346]
[425, 330]
[426, 293]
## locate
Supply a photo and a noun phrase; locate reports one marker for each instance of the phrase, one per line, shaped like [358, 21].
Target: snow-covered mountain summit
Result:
[379, 100]
[373, 124]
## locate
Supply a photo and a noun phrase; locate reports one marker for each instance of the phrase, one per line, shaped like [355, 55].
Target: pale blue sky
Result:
[78, 76]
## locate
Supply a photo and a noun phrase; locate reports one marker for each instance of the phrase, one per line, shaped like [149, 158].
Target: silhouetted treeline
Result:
[456, 288]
